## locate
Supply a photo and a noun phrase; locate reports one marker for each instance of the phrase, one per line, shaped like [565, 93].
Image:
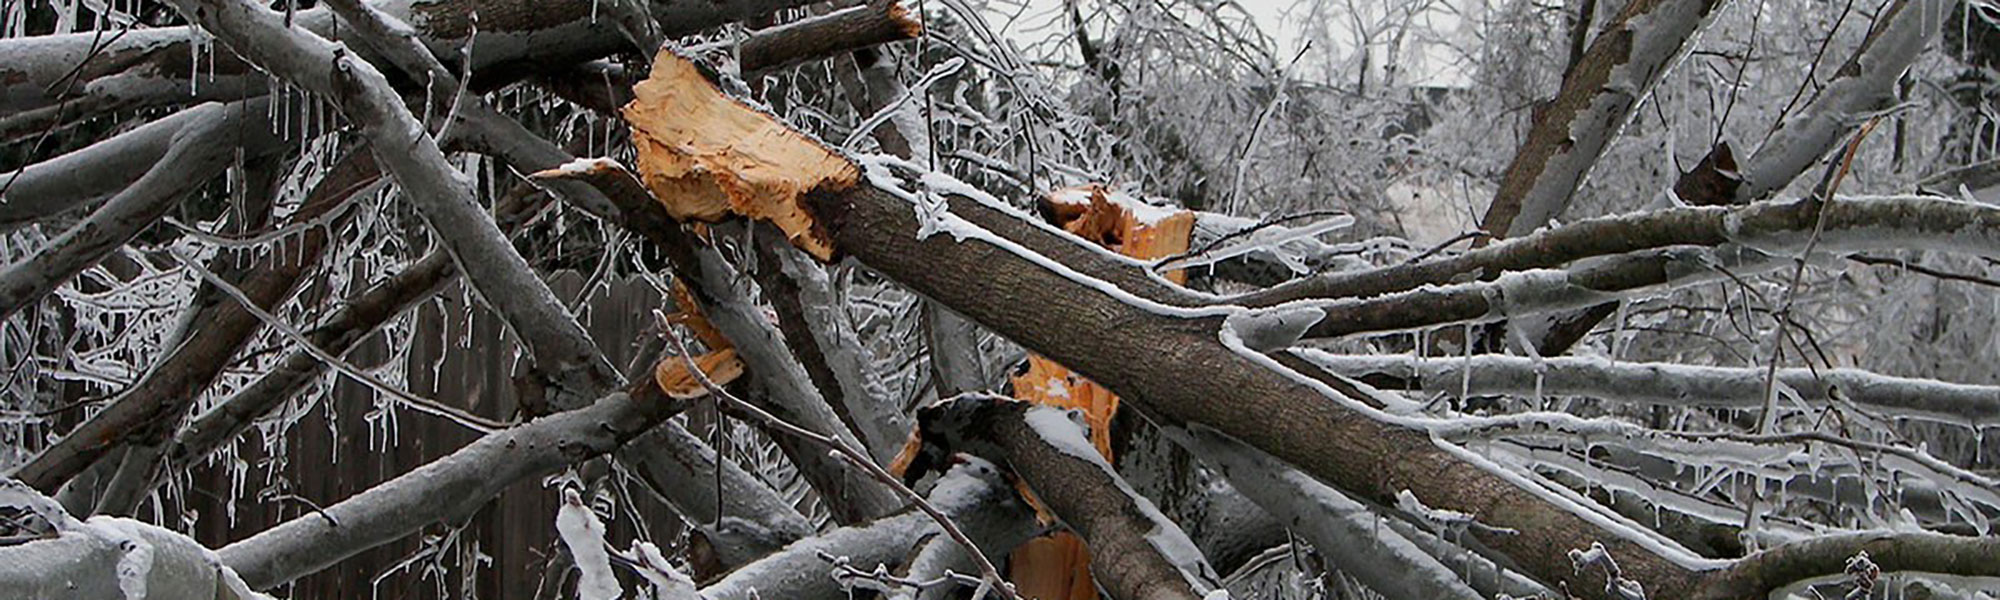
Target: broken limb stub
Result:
[707, 157]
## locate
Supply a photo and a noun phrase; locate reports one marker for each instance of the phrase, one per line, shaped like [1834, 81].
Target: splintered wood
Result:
[678, 382]
[719, 364]
[1058, 567]
[707, 156]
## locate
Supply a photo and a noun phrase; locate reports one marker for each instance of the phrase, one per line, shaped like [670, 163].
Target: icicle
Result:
[1465, 372]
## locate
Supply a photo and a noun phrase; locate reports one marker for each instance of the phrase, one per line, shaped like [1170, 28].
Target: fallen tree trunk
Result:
[1175, 354]
[992, 264]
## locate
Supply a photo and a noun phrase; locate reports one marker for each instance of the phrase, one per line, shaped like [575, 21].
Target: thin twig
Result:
[1916, 268]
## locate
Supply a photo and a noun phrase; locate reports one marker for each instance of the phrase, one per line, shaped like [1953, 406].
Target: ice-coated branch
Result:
[563, 352]
[147, 414]
[972, 495]
[1347, 532]
[154, 66]
[1668, 383]
[680, 467]
[1780, 228]
[1542, 291]
[1136, 552]
[822, 338]
[1622, 65]
[448, 489]
[1863, 87]
[1757, 575]
[81, 177]
[852, 494]
[340, 331]
[214, 329]
[484, 128]
[719, 292]
[848, 451]
[194, 156]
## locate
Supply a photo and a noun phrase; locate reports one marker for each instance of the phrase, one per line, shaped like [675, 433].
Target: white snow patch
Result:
[668, 583]
[584, 535]
[135, 562]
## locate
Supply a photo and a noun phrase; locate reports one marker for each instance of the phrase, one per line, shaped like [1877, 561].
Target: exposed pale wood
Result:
[676, 381]
[1057, 567]
[706, 156]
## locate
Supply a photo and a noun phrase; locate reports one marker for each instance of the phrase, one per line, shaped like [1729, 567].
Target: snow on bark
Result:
[668, 582]
[109, 558]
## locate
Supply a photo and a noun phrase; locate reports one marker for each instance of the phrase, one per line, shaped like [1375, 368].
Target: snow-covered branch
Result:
[1570, 132]
[106, 558]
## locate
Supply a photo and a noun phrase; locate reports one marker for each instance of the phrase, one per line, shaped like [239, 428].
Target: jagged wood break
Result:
[706, 156]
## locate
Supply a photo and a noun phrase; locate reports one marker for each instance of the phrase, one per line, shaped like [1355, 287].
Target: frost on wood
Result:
[707, 156]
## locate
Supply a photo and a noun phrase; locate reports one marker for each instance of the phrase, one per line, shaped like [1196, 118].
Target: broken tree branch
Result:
[874, 23]
[1136, 552]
